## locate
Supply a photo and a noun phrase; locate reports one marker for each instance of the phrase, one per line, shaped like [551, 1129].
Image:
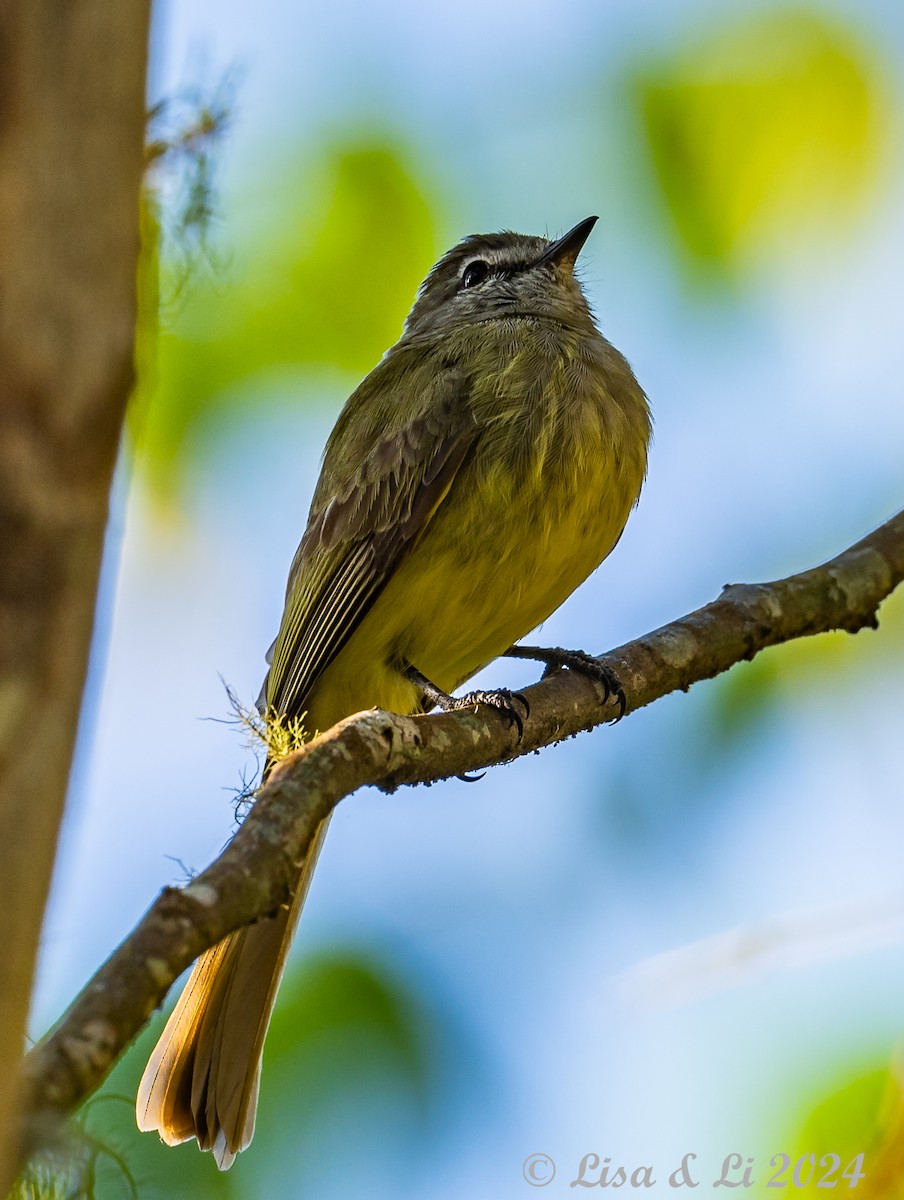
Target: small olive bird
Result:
[473, 480]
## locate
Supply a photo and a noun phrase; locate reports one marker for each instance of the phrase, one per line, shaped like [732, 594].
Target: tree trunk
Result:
[72, 80]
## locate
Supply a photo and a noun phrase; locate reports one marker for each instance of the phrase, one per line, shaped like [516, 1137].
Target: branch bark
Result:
[255, 873]
[71, 158]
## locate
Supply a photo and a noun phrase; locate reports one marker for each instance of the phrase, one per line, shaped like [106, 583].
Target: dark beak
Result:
[567, 248]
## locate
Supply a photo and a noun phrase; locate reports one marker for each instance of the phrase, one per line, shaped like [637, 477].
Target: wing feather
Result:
[363, 522]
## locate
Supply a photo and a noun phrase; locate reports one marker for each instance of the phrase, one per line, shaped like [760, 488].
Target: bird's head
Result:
[495, 275]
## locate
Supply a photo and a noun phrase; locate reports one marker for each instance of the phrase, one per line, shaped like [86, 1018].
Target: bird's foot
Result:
[504, 701]
[575, 660]
[501, 699]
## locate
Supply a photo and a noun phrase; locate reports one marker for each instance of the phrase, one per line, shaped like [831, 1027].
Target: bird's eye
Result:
[474, 273]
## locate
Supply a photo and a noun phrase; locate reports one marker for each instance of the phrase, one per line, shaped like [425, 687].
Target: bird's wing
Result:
[365, 517]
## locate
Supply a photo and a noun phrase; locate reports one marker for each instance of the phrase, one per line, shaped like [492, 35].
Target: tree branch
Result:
[256, 872]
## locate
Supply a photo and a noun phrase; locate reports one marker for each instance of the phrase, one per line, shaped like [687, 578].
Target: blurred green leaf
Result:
[337, 995]
[327, 281]
[763, 131]
[742, 697]
[850, 1118]
[863, 1114]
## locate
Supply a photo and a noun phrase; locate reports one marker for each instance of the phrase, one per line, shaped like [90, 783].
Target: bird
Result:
[478, 475]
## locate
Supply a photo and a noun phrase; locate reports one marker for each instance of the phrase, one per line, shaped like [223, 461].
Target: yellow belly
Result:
[493, 563]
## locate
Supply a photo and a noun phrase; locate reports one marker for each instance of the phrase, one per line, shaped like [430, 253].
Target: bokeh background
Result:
[684, 934]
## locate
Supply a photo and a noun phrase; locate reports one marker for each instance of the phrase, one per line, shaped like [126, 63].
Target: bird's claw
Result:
[580, 660]
[466, 778]
[503, 701]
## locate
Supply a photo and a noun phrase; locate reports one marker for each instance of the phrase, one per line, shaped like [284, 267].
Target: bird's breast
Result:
[556, 467]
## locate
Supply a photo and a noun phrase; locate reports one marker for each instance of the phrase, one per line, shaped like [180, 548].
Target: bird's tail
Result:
[203, 1077]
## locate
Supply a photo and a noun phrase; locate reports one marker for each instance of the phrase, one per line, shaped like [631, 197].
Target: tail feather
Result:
[203, 1077]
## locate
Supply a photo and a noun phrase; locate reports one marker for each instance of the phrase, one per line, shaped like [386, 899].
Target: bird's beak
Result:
[567, 248]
